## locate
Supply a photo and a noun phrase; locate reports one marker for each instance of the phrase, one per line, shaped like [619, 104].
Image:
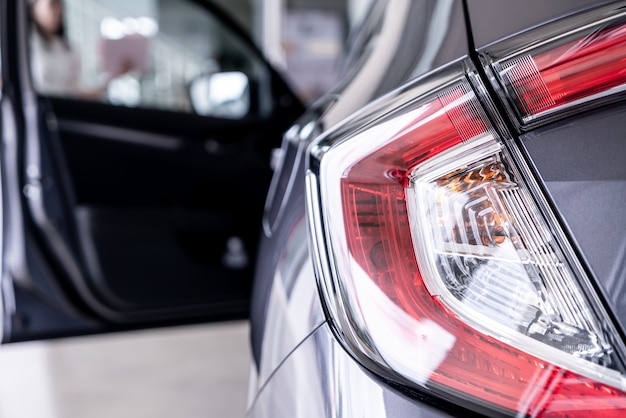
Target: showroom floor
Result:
[196, 371]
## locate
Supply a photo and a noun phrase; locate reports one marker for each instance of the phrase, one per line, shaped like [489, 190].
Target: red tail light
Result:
[444, 271]
[587, 63]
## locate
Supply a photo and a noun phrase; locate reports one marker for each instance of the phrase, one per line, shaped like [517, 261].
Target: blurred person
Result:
[55, 66]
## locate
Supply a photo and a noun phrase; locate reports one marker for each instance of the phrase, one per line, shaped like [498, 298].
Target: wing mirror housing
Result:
[222, 95]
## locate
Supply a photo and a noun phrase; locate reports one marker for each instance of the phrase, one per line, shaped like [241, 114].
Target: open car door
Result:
[133, 201]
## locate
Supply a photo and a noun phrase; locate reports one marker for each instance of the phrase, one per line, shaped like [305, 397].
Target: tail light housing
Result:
[440, 263]
[557, 70]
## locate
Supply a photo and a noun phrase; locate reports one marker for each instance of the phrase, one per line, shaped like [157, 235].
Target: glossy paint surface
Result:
[370, 79]
[492, 21]
[320, 380]
[298, 367]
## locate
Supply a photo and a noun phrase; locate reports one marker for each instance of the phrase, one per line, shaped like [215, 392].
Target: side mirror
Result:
[225, 95]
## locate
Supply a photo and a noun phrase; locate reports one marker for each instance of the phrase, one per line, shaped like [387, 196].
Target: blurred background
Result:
[301, 38]
[194, 371]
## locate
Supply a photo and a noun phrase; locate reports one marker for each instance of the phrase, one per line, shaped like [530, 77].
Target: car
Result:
[442, 234]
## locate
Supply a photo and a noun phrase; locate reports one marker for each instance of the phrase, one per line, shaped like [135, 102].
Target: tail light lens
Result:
[542, 78]
[485, 250]
[443, 269]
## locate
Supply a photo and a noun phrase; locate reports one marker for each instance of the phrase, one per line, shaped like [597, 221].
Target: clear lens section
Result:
[484, 244]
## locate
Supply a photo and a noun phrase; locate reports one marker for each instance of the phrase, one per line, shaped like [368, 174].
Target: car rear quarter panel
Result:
[491, 21]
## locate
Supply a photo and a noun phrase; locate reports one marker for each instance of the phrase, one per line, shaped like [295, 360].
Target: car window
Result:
[164, 54]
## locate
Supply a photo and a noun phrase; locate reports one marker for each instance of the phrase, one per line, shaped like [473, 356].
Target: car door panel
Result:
[133, 217]
[154, 212]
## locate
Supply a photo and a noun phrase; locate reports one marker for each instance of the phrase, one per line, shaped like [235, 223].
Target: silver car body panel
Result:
[299, 369]
[320, 379]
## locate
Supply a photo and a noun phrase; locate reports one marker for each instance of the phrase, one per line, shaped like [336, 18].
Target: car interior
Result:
[141, 205]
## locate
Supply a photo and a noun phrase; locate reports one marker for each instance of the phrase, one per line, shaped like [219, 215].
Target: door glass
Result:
[164, 54]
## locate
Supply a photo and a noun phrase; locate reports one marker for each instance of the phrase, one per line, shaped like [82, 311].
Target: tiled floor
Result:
[198, 371]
